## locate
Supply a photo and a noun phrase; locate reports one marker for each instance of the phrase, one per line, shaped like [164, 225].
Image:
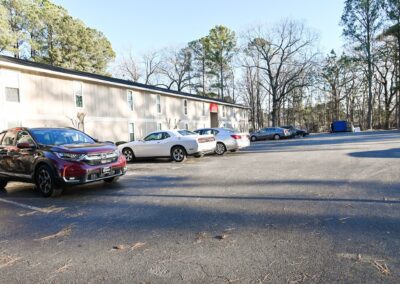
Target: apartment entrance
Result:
[214, 115]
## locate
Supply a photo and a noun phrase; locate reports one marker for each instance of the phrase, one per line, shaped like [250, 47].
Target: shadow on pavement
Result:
[389, 153]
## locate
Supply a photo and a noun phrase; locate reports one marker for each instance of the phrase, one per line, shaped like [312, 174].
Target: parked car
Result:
[274, 133]
[227, 139]
[174, 144]
[296, 131]
[53, 158]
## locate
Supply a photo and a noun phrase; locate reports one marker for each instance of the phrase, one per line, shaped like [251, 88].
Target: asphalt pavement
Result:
[320, 209]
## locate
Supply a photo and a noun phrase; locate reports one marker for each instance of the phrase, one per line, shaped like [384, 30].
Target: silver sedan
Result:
[227, 139]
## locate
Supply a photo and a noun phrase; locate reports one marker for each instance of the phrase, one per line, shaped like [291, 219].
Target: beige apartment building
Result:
[37, 95]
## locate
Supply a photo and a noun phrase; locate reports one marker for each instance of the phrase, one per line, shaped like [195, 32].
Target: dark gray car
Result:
[270, 133]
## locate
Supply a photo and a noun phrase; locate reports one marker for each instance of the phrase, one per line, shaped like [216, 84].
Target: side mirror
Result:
[25, 145]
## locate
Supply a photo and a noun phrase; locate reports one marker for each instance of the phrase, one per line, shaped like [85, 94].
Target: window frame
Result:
[130, 100]
[158, 104]
[129, 131]
[75, 95]
[185, 106]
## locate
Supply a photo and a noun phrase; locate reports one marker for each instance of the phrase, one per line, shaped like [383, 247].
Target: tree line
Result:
[41, 31]
[277, 70]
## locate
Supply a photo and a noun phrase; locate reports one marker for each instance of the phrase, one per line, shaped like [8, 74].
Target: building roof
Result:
[112, 80]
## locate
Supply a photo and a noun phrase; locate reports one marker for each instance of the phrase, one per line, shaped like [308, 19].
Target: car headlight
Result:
[70, 156]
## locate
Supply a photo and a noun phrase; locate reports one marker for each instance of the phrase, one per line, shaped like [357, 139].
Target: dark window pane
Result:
[79, 101]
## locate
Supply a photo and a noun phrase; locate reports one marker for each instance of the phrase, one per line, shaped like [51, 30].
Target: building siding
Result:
[48, 100]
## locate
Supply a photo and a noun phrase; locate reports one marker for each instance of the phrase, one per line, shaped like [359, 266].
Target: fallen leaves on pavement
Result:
[6, 260]
[134, 246]
[381, 266]
[63, 233]
[200, 237]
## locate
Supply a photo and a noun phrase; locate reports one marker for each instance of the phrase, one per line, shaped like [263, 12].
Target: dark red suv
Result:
[53, 158]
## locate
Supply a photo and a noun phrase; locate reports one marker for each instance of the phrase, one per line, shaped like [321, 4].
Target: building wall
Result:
[49, 100]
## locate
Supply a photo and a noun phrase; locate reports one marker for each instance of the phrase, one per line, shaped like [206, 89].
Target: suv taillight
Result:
[236, 137]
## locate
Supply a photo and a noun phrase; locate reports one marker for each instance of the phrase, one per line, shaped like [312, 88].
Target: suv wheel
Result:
[178, 154]
[3, 184]
[45, 182]
[277, 137]
[253, 138]
[220, 149]
[128, 153]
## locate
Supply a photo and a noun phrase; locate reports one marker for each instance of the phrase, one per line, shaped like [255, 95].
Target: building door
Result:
[214, 119]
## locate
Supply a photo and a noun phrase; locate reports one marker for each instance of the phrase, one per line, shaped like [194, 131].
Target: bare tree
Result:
[151, 67]
[129, 67]
[287, 54]
[176, 69]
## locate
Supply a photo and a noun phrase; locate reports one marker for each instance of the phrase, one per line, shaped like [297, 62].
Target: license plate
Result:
[106, 170]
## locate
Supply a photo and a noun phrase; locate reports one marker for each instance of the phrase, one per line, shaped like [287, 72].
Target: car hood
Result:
[85, 148]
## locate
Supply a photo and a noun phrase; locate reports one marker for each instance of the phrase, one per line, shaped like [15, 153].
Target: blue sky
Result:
[150, 25]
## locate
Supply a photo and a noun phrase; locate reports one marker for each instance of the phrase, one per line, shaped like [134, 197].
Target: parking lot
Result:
[325, 208]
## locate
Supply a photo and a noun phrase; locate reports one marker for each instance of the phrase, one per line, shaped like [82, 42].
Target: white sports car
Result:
[174, 144]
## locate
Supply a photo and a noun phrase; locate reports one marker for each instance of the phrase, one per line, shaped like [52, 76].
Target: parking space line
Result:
[24, 205]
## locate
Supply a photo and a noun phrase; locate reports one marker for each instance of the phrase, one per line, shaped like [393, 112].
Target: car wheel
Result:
[3, 184]
[45, 182]
[277, 137]
[128, 153]
[220, 149]
[111, 179]
[178, 154]
[253, 138]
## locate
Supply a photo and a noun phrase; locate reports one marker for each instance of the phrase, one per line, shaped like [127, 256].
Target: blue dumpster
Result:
[339, 126]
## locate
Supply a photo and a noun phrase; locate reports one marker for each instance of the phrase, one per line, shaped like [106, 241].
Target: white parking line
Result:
[24, 206]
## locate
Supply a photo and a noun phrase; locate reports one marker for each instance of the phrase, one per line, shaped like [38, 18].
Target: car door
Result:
[23, 159]
[7, 147]
[160, 147]
[263, 134]
[150, 146]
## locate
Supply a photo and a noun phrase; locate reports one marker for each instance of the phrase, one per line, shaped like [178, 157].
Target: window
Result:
[158, 100]
[131, 127]
[223, 111]
[129, 99]
[186, 132]
[186, 126]
[204, 109]
[185, 107]
[11, 83]
[60, 137]
[159, 126]
[9, 139]
[157, 136]
[12, 95]
[24, 137]
[78, 95]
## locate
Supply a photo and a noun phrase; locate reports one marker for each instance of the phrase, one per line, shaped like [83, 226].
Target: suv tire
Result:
[3, 184]
[253, 139]
[277, 137]
[45, 182]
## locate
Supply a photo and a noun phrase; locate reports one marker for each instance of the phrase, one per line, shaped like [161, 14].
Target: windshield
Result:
[186, 132]
[58, 137]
